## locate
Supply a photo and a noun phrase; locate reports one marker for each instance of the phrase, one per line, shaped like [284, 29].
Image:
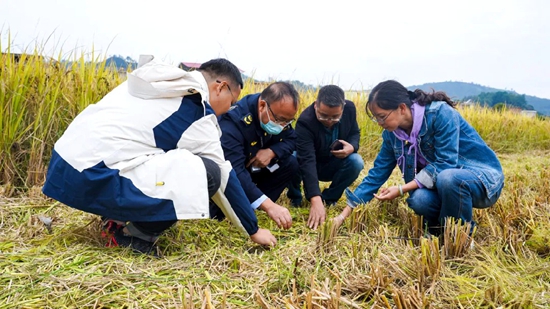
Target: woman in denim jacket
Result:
[447, 167]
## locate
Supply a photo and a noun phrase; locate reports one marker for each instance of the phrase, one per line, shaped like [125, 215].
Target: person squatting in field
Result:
[447, 167]
[258, 140]
[326, 148]
[149, 154]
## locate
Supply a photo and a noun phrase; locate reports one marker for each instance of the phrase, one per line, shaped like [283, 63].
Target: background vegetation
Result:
[52, 256]
[493, 98]
[483, 94]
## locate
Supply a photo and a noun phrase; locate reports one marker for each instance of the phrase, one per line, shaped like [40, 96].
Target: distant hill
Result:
[121, 63]
[460, 90]
[539, 104]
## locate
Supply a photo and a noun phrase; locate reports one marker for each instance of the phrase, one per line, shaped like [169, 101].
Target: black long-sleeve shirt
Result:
[312, 146]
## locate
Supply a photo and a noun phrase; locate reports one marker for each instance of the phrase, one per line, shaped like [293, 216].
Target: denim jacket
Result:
[446, 141]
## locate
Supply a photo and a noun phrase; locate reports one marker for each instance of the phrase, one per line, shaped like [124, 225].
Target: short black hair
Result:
[331, 96]
[221, 67]
[278, 90]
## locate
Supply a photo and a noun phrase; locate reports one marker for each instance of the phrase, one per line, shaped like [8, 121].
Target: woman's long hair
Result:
[389, 94]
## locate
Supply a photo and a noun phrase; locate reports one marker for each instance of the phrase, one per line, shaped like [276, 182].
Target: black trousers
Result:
[213, 175]
[271, 184]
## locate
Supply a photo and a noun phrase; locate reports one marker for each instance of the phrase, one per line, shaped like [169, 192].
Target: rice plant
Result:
[39, 97]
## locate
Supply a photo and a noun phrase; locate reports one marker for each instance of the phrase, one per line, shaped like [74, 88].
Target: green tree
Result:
[493, 98]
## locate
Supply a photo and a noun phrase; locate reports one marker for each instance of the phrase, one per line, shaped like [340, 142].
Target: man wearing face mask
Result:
[327, 143]
[259, 141]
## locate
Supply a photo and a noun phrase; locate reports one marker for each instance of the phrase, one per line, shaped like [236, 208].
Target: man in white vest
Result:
[149, 154]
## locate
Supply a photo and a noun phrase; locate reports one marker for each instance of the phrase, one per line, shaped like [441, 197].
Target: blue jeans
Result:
[456, 193]
[341, 172]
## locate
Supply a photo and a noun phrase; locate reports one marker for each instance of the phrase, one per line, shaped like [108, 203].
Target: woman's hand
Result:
[338, 220]
[387, 194]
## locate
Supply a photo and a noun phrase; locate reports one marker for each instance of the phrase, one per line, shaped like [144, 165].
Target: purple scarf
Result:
[417, 112]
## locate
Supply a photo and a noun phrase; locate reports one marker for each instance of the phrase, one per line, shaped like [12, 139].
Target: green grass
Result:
[377, 259]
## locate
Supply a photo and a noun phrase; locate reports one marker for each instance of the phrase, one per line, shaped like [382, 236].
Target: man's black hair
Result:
[331, 96]
[221, 67]
[278, 90]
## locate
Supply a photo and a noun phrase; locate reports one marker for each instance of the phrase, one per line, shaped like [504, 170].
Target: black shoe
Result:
[138, 245]
[108, 227]
[114, 233]
[105, 222]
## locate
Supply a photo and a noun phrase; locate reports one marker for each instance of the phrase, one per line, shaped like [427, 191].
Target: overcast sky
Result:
[356, 44]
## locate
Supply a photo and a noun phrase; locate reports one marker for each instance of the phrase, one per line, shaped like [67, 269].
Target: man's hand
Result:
[262, 158]
[277, 213]
[387, 194]
[345, 152]
[264, 237]
[317, 213]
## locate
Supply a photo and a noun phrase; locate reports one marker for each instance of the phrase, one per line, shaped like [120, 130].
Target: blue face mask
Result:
[271, 127]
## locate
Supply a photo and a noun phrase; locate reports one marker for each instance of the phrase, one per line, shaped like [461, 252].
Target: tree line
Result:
[491, 99]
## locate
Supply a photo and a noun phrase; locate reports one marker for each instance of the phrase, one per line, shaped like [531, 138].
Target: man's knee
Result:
[293, 164]
[213, 175]
[289, 165]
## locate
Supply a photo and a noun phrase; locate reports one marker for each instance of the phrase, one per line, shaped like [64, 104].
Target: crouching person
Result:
[447, 167]
[149, 154]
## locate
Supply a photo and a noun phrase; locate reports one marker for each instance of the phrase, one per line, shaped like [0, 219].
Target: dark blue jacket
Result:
[242, 137]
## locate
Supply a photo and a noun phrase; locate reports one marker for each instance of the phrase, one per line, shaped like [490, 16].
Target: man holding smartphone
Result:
[326, 148]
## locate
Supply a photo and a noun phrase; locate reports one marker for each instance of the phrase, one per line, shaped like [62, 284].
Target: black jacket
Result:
[312, 147]
[242, 137]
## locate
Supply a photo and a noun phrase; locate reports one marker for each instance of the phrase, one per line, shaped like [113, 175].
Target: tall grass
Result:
[38, 99]
[508, 132]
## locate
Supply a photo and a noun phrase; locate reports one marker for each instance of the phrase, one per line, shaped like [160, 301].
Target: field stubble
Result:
[375, 260]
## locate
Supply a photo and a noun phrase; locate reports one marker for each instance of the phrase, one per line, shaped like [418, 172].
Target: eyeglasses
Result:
[233, 101]
[381, 120]
[277, 119]
[325, 118]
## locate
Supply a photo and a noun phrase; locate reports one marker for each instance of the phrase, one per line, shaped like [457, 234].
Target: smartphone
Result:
[336, 145]
[273, 167]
